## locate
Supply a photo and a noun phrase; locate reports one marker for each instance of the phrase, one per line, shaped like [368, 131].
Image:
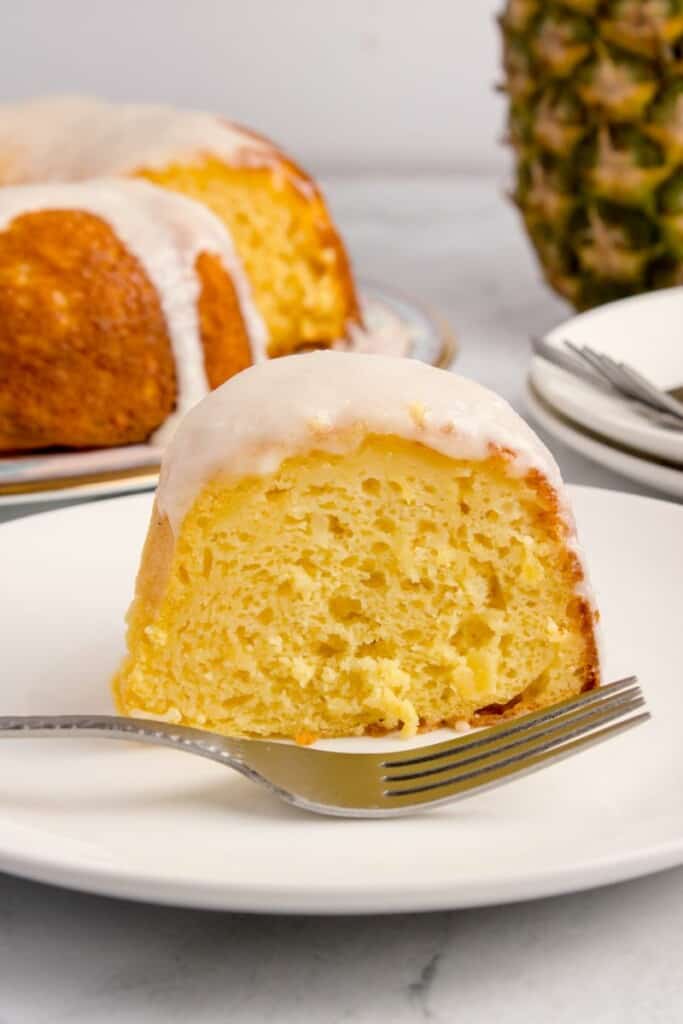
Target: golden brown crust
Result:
[329, 237]
[83, 342]
[84, 346]
[579, 609]
[150, 583]
[223, 332]
[156, 561]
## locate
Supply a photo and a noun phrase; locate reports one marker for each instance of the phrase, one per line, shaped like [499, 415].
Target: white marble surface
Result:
[604, 957]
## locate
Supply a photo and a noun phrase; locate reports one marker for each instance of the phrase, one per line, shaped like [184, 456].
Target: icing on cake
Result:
[73, 138]
[165, 232]
[324, 400]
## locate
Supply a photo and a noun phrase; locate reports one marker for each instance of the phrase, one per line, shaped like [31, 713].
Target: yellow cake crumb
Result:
[295, 260]
[387, 588]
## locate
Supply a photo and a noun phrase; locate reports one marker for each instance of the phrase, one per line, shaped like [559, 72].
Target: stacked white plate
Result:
[646, 332]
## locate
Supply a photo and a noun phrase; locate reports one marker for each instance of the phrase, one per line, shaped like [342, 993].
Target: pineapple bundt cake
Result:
[345, 544]
[121, 304]
[284, 236]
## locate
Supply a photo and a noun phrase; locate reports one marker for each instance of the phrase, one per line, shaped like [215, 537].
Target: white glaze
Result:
[165, 232]
[297, 403]
[382, 333]
[73, 138]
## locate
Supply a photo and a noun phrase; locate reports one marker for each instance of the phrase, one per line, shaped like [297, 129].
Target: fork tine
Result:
[614, 374]
[628, 380]
[628, 384]
[654, 393]
[556, 729]
[510, 728]
[610, 371]
[663, 414]
[509, 753]
[498, 774]
[569, 362]
[588, 356]
[632, 385]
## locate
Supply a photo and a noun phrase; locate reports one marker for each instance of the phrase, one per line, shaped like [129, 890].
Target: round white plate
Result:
[150, 824]
[644, 331]
[665, 478]
[396, 324]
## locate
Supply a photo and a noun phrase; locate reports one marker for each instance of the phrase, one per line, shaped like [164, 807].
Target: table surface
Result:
[612, 955]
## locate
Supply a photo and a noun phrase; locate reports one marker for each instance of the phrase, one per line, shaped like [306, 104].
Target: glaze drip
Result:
[329, 401]
[166, 233]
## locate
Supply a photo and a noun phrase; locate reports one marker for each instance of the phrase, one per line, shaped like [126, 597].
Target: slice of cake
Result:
[349, 544]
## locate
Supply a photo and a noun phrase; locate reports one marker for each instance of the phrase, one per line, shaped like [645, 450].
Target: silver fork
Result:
[595, 369]
[363, 785]
[629, 381]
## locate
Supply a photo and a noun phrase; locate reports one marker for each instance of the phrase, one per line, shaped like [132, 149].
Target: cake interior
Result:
[390, 587]
[294, 260]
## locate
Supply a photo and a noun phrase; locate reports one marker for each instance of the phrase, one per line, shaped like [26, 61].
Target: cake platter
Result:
[396, 324]
[144, 823]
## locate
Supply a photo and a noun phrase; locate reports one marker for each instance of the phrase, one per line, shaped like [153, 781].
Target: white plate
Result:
[395, 323]
[665, 478]
[152, 825]
[645, 331]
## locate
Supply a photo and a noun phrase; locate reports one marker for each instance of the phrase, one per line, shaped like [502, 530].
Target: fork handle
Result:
[226, 750]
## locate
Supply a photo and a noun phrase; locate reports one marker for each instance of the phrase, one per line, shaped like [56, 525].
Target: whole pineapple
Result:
[596, 122]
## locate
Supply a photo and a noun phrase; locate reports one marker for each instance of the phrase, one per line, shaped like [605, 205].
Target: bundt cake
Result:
[291, 252]
[121, 304]
[345, 544]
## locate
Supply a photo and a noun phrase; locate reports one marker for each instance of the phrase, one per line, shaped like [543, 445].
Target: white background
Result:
[347, 85]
